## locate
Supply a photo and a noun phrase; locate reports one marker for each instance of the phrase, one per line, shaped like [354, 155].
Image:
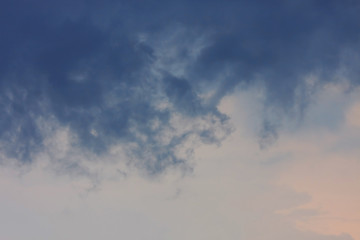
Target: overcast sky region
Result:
[178, 119]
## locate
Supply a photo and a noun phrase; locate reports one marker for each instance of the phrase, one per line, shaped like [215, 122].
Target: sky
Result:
[180, 119]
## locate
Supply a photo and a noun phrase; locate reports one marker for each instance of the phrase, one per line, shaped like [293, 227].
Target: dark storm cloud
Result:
[83, 65]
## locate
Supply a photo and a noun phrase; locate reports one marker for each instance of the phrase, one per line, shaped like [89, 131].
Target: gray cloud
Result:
[84, 65]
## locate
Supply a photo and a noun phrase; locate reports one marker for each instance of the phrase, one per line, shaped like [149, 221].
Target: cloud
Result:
[127, 73]
[98, 98]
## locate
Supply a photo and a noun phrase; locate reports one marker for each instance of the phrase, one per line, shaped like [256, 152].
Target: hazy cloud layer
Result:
[303, 187]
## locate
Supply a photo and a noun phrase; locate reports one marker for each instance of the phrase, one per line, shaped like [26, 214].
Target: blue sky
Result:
[179, 119]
